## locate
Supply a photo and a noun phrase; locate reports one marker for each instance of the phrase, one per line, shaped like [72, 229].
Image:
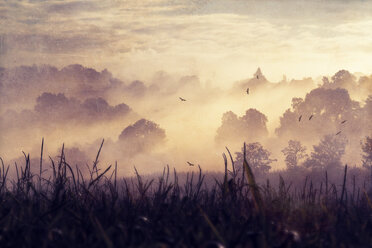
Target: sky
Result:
[219, 40]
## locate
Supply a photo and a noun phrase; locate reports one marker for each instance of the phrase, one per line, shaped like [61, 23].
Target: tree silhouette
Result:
[329, 108]
[328, 153]
[257, 157]
[367, 152]
[251, 127]
[293, 153]
[142, 136]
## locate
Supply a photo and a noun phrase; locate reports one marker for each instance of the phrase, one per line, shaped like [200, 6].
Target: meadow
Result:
[56, 205]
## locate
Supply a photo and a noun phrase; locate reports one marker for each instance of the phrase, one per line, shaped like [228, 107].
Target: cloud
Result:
[217, 37]
[72, 7]
[54, 44]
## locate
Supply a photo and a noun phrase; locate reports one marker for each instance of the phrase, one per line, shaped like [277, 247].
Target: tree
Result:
[296, 101]
[343, 79]
[293, 153]
[325, 81]
[251, 126]
[142, 136]
[367, 113]
[257, 157]
[367, 152]
[328, 107]
[255, 120]
[328, 153]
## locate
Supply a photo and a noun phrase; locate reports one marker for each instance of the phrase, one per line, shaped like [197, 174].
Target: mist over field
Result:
[145, 124]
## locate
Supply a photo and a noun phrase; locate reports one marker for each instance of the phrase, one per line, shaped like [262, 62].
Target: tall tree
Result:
[142, 136]
[367, 152]
[328, 153]
[294, 153]
[257, 157]
[234, 129]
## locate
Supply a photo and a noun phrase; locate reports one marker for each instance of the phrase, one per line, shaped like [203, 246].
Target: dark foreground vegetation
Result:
[63, 208]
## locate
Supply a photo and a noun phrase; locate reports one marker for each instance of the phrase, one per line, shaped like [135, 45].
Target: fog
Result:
[147, 125]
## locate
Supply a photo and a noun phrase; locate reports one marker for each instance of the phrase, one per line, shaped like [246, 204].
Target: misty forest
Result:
[159, 132]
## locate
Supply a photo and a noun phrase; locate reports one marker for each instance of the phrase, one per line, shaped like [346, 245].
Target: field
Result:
[63, 208]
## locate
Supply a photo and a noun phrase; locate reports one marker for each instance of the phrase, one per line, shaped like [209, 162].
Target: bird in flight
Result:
[343, 121]
[299, 118]
[247, 91]
[190, 164]
[338, 133]
[182, 99]
[311, 116]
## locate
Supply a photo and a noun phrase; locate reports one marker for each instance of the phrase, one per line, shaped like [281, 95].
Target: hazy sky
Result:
[219, 40]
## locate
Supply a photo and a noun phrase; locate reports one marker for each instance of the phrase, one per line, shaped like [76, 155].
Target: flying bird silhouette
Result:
[311, 116]
[247, 91]
[343, 121]
[299, 118]
[190, 164]
[182, 99]
[338, 133]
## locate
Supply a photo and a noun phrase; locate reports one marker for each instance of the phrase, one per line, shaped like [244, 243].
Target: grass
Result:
[62, 207]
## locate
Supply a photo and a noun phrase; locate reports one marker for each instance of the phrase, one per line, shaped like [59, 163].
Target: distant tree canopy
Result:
[328, 153]
[329, 107]
[251, 127]
[367, 152]
[294, 153]
[257, 157]
[136, 88]
[142, 136]
[342, 79]
[59, 107]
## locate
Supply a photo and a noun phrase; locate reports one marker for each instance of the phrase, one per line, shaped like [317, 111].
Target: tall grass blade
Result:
[257, 199]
